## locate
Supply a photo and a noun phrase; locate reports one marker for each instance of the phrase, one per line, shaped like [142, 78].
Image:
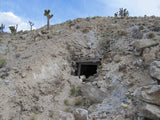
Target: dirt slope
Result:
[37, 80]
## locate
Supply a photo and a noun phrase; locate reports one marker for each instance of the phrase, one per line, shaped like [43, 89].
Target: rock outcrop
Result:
[155, 70]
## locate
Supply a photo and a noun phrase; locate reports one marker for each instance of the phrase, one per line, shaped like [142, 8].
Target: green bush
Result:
[150, 35]
[141, 27]
[66, 102]
[3, 62]
[75, 91]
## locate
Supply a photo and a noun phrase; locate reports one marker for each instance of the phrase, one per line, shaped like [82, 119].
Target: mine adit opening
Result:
[87, 67]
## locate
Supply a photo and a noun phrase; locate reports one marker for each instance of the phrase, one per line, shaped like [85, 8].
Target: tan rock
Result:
[155, 69]
[149, 94]
[80, 114]
[119, 117]
[150, 111]
[117, 58]
[143, 43]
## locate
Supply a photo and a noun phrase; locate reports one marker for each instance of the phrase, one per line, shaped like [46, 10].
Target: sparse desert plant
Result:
[33, 117]
[79, 101]
[3, 62]
[68, 109]
[2, 27]
[47, 14]
[31, 24]
[86, 30]
[51, 113]
[131, 83]
[150, 35]
[116, 14]
[66, 102]
[141, 27]
[75, 91]
[122, 33]
[137, 34]
[105, 45]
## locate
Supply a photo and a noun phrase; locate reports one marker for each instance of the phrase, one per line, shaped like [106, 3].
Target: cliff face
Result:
[38, 71]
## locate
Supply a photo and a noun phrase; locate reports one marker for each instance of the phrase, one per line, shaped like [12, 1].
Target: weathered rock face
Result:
[150, 102]
[143, 43]
[80, 114]
[149, 111]
[65, 116]
[149, 94]
[93, 94]
[155, 69]
[140, 45]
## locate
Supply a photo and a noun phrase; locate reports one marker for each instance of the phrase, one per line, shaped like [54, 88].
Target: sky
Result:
[19, 12]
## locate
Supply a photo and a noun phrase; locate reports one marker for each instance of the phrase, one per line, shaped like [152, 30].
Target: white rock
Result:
[80, 114]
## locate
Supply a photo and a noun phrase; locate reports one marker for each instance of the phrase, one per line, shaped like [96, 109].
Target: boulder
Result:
[149, 111]
[140, 45]
[149, 55]
[66, 116]
[80, 114]
[149, 94]
[155, 70]
[143, 43]
[93, 94]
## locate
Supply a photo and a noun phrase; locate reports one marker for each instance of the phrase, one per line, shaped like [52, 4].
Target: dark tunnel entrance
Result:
[87, 67]
[88, 70]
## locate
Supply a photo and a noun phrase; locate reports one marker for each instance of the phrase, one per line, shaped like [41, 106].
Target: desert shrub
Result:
[75, 91]
[86, 30]
[68, 109]
[137, 34]
[141, 27]
[2, 27]
[66, 102]
[51, 113]
[3, 62]
[77, 27]
[33, 117]
[13, 29]
[104, 45]
[150, 35]
[88, 19]
[79, 101]
[122, 33]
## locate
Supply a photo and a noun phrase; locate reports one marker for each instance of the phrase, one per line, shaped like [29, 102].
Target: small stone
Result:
[119, 117]
[117, 58]
[81, 114]
[6, 82]
[23, 75]
[124, 105]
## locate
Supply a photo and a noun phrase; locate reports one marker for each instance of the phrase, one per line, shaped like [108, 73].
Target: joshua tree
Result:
[116, 14]
[13, 29]
[123, 12]
[31, 24]
[2, 27]
[46, 13]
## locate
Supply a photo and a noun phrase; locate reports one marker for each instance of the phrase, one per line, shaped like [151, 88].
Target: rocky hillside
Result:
[38, 71]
